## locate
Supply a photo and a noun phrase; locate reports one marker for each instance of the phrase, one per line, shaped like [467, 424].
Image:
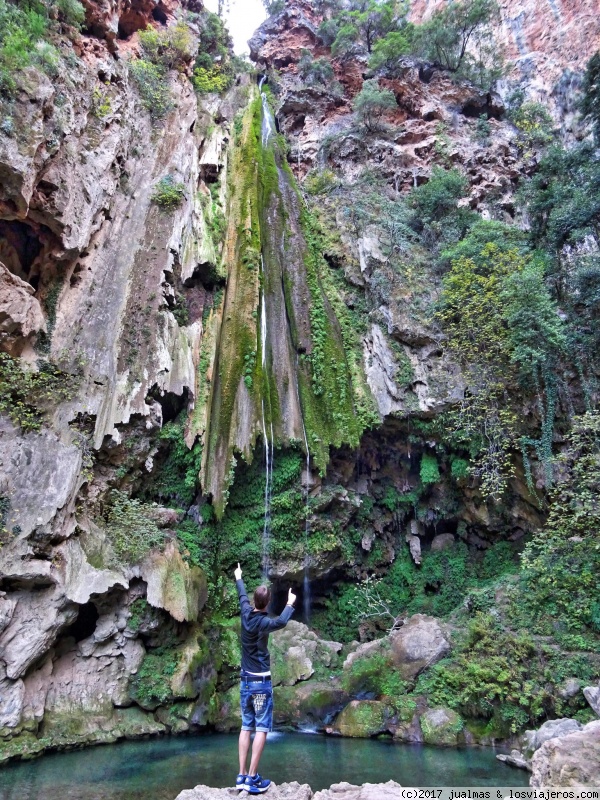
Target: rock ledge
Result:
[296, 791]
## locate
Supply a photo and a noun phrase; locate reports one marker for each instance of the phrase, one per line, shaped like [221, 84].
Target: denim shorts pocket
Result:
[257, 705]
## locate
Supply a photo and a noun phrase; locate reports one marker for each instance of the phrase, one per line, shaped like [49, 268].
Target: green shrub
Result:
[535, 125]
[430, 471]
[130, 528]
[371, 103]
[26, 395]
[590, 94]
[151, 684]
[176, 477]
[459, 37]
[211, 80]
[388, 51]
[153, 85]
[313, 70]
[168, 194]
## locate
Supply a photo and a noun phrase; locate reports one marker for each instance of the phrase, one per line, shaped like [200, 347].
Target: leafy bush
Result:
[535, 125]
[168, 194]
[178, 467]
[430, 471]
[371, 103]
[590, 91]
[151, 684]
[153, 85]
[561, 564]
[26, 33]
[313, 70]
[388, 51]
[130, 527]
[171, 48]
[210, 80]
[26, 395]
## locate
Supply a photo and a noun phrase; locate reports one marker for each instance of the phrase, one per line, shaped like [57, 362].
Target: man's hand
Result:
[291, 598]
[238, 572]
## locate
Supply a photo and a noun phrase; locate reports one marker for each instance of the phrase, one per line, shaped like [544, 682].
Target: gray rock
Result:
[420, 643]
[296, 650]
[592, 695]
[515, 759]
[570, 688]
[571, 760]
[441, 726]
[174, 585]
[554, 728]
[285, 791]
[442, 541]
[368, 791]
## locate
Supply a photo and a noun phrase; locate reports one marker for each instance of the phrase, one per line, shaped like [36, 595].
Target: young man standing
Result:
[256, 690]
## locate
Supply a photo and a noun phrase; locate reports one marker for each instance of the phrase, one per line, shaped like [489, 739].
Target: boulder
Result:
[420, 643]
[368, 791]
[285, 791]
[441, 726]
[514, 759]
[296, 651]
[553, 729]
[21, 315]
[572, 760]
[363, 718]
[311, 705]
[442, 541]
[592, 695]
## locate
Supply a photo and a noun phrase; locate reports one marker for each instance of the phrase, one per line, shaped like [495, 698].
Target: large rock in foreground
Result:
[572, 760]
[297, 791]
[420, 642]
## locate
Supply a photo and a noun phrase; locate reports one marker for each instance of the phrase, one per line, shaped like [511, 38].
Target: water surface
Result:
[158, 769]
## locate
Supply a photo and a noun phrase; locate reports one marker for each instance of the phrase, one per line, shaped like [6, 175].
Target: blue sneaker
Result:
[254, 784]
[239, 782]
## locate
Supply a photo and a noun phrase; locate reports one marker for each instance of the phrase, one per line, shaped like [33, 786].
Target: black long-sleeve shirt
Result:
[256, 626]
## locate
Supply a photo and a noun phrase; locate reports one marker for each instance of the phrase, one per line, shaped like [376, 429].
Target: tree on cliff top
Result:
[359, 25]
[459, 38]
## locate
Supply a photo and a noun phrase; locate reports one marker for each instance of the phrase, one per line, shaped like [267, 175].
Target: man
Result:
[256, 690]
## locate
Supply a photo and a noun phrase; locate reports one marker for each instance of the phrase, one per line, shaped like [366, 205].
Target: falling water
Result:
[268, 123]
[267, 444]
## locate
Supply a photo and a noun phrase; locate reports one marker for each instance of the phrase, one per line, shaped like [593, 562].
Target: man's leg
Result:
[260, 737]
[243, 747]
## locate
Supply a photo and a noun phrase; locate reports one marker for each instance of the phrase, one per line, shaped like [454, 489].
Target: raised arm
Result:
[245, 606]
[282, 620]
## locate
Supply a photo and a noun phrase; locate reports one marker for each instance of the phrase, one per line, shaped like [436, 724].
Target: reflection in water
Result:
[158, 769]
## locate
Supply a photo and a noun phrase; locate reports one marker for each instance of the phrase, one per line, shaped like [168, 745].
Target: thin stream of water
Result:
[269, 446]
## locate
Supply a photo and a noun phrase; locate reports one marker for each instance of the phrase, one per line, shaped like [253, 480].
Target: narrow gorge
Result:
[330, 312]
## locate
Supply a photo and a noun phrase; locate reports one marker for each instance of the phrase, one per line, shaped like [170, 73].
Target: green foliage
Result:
[430, 471]
[27, 31]
[371, 103]
[535, 126]
[168, 194]
[27, 396]
[361, 23]
[437, 214]
[170, 48]
[388, 51]
[459, 38]
[498, 314]
[130, 528]
[438, 586]
[151, 684]
[561, 564]
[153, 85]
[590, 91]
[495, 676]
[210, 80]
[314, 71]
[138, 611]
[217, 546]
[320, 182]
[101, 105]
[374, 675]
[176, 479]
[274, 6]
[481, 233]
[483, 129]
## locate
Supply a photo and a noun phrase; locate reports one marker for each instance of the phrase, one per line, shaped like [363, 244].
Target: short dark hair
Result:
[262, 597]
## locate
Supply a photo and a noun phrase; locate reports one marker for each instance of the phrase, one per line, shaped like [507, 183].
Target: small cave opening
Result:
[84, 624]
[160, 15]
[20, 246]
[171, 404]
[476, 107]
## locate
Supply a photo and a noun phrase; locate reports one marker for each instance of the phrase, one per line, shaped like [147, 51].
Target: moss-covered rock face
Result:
[364, 718]
[441, 726]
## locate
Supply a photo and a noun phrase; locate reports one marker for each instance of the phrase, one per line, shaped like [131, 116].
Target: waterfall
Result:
[268, 123]
[268, 445]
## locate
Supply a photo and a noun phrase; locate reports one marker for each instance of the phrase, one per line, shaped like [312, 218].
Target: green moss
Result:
[151, 685]
[177, 476]
[130, 527]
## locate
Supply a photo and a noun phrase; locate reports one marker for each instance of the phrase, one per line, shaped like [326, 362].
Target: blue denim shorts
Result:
[256, 699]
